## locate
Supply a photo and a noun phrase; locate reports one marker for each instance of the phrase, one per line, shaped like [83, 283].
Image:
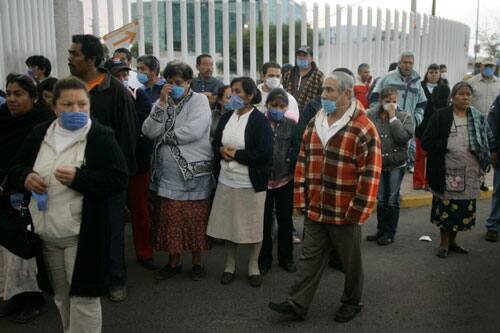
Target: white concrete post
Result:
[404, 38]
[291, 32]
[211, 28]
[338, 59]
[397, 36]
[155, 34]
[328, 39]
[369, 42]
[359, 36]
[184, 36]
[197, 27]
[126, 11]
[303, 23]
[169, 30]
[387, 41]
[140, 16]
[265, 31]
[225, 39]
[279, 34]
[378, 44]
[253, 40]
[111, 16]
[95, 18]
[239, 38]
[349, 63]
[315, 33]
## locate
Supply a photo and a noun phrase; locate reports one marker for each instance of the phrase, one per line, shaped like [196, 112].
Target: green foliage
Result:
[135, 49]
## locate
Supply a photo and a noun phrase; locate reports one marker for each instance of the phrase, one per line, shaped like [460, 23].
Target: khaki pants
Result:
[78, 314]
[319, 241]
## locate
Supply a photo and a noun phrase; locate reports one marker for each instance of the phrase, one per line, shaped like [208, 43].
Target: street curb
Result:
[422, 200]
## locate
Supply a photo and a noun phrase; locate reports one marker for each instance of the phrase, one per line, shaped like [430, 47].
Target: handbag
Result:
[16, 228]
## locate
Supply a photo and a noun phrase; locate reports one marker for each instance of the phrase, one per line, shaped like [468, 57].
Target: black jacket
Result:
[438, 99]
[285, 149]
[258, 151]
[112, 105]
[144, 146]
[103, 174]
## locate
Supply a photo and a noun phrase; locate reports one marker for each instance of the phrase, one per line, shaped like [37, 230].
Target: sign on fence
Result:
[122, 37]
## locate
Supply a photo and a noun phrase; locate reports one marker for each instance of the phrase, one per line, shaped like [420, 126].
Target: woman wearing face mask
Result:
[71, 166]
[437, 93]
[243, 148]
[395, 129]
[458, 142]
[280, 185]
[223, 96]
[181, 170]
[18, 116]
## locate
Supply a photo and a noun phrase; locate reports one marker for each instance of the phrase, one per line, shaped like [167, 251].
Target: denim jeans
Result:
[493, 222]
[412, 149]
[388, 201]
[116, 236]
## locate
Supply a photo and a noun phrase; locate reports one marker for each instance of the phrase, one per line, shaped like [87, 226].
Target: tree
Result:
[272, 45]
[491, 42]
[135, 49]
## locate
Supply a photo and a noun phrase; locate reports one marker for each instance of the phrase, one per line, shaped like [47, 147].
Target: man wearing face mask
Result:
[148, 71]
[486, 86]
[305, 79]
[336, 183]
[271, 79]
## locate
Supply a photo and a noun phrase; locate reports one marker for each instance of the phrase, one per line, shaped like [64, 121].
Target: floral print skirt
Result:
[453, 215]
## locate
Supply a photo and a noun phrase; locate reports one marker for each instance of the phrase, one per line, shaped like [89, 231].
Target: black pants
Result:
[282, 199]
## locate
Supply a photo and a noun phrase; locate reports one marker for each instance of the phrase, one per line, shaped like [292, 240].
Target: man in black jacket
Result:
[111, 105]
[493, 221]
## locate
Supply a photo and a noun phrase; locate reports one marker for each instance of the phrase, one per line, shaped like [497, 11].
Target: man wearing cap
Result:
[304, 81]
[486, 86]
[138, 183]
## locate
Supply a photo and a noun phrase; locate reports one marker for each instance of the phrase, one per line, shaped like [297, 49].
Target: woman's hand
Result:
[165, 92]
[391, 112]
[35, 183]
[65, 174]
[227, 153]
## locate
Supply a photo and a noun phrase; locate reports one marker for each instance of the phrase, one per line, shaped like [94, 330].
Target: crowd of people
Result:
[195, 160]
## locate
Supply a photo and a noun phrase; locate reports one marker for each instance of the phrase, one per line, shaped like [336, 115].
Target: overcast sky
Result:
[460, 10]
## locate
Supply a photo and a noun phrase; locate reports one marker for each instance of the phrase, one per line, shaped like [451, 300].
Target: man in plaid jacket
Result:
[336, 184]
[305, 79]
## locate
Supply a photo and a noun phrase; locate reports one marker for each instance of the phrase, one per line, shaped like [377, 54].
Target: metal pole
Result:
[476, 48]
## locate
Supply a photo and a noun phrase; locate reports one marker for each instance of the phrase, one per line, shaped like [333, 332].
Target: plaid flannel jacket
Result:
[312, 88]
[338, 184]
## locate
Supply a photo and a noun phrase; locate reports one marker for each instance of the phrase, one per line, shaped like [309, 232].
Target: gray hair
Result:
[405, 54]
[344, 81]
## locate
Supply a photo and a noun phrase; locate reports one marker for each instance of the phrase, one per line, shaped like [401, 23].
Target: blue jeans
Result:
[388, 201]
[116, 237]
[412, 149]
[493, 222]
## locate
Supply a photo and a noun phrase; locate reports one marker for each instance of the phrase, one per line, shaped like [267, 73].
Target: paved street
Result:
[407, 289]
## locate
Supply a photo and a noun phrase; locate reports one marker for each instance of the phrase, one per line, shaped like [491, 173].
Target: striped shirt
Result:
[338, 183]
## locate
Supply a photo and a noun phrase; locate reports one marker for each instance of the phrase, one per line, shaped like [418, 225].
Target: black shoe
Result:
[347, 312]
[226, 278]
[264, 268]
[484, 187]
[167, 272]
[335, 264]
[442, 253]
[29, 313]
[373, 238]
[384, 240]
[12, 306]
[458, 249]
[491, 236]
[198, 272]
[255, 280]
[290, 267]
[285, 308]
[148, 264]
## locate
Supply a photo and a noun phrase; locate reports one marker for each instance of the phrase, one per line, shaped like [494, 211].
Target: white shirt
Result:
[132, 80]
[293, 108]
[325, 131]
[64, 138]
[234, 174]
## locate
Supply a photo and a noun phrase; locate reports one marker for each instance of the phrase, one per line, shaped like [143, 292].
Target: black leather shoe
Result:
[290, 267]
[347, 312]
[29, 313]
[148, 264]
[284, 308]
[226, 278]
[167, 272]
[373, 238]
[255, 280]
[442, 253]
[12, 306]
[458, 249]
[384, 240]
[491, 236]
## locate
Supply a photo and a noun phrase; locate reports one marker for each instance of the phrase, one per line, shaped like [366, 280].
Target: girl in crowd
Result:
[458, 141]
[280, 186]
[181, 170]
[223, 96]
[71, 166]
[395, 128]
[243, 148]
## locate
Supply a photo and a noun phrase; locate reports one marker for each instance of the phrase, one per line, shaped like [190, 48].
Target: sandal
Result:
[442, 253]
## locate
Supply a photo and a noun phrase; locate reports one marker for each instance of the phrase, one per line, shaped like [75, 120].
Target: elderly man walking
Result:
[336, 184]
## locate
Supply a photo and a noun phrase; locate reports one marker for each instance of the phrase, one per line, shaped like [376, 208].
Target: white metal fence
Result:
[349, 35]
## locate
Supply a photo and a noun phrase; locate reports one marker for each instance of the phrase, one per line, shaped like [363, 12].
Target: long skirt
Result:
[453, 215]
[180, 225]
[237, 215]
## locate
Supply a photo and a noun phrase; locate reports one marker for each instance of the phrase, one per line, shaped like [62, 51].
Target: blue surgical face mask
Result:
[275, 114]
[125, 83]
[235, 103]
[328, 105]
[142, 78]
[302, 63]
[73, 121]
[177, 92]
[41, 200]
[488, 71]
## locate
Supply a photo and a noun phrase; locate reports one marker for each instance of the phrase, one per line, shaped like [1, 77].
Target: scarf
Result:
[479, 138]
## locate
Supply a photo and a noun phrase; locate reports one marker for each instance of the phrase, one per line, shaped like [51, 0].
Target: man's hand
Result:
[165, 93]
[65, 174]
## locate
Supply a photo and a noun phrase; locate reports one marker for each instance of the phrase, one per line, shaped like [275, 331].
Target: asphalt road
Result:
[407, 289]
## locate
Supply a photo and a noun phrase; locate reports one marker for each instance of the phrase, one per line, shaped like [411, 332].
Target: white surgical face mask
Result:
[273, 82]
[443, 75]
[387, 106]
